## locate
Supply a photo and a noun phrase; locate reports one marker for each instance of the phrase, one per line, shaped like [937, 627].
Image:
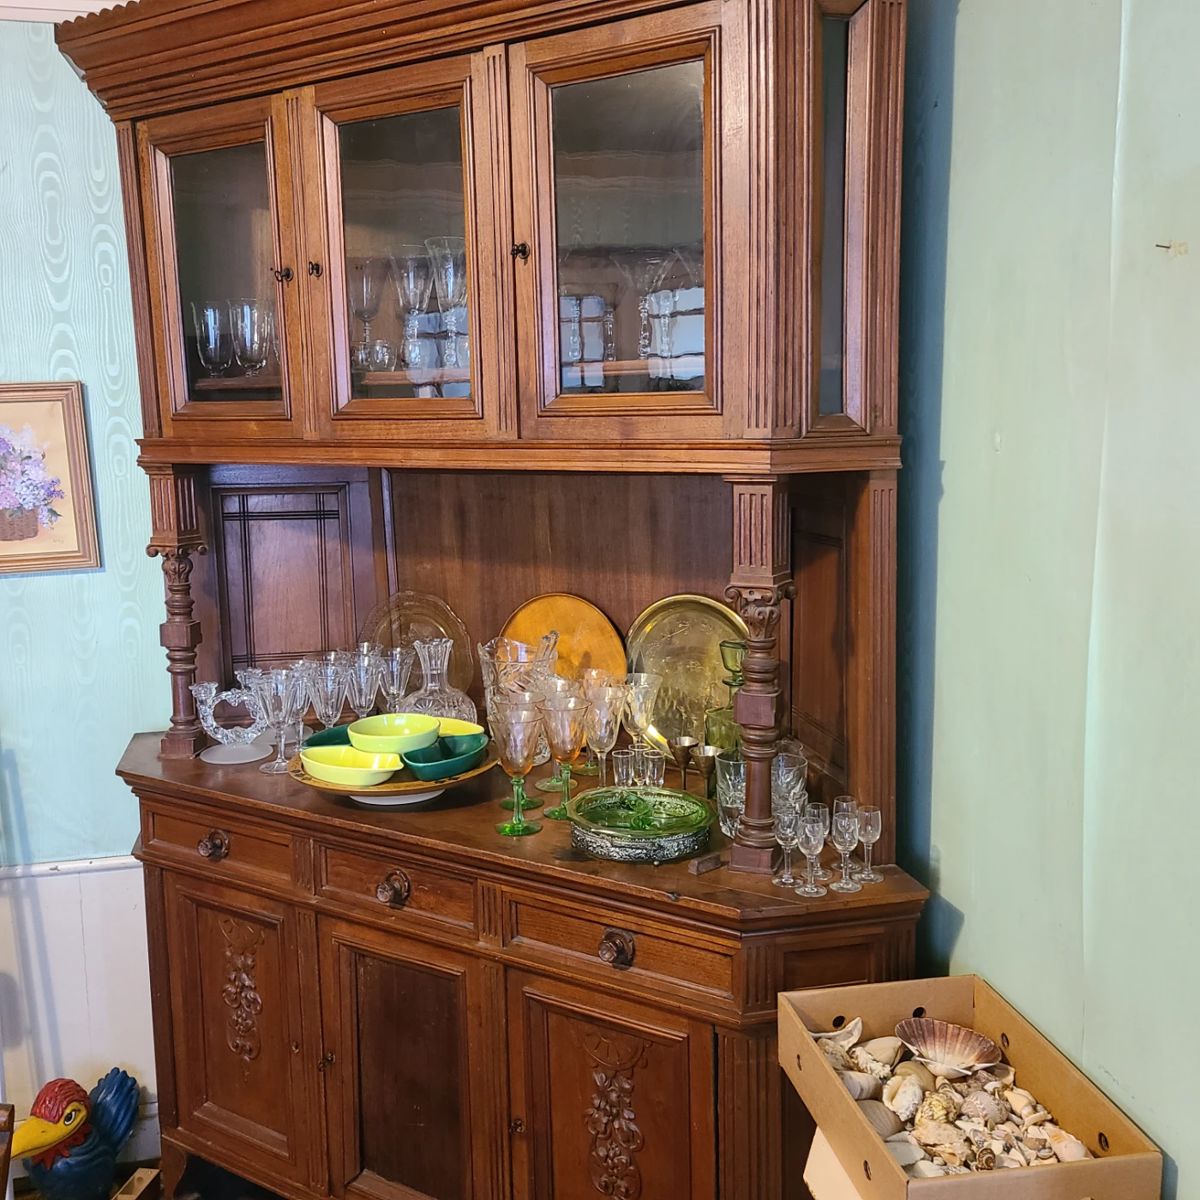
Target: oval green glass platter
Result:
[645, 824]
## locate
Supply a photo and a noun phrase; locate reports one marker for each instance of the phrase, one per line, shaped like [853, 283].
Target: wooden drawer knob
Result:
[394, 889]
[214, 845]
[617, 948]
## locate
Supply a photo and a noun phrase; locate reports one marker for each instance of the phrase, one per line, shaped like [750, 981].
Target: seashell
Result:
[1000, 1073]
[885, 1121]
[951, 1051]
[1020, 1101]
[845, 1037]
[926, 1169]
[985, 1159]
[903, 1095]
[1066, 1146]
[905, 1153]
[919, 1072]
[983, 1106]
[937, 1106]
[937, 1133]
[837, 1056]
[861, 1086]
[1009, 1159]
[872, 1066]
[886, 1050]
[1038, 1117]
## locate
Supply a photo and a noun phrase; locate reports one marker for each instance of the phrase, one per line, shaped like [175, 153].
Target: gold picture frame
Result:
[47, 516]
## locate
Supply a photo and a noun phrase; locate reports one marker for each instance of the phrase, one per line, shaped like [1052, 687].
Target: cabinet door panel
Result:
[403, 1106]
[245, 1069]
[618, 169]
[223, 266]
[616, 1098]
[403, 193]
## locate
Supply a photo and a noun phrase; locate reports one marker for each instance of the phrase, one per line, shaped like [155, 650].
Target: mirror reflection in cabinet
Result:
[629, 209]
[225, 247]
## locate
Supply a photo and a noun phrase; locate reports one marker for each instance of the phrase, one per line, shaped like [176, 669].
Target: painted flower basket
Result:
[27, 489]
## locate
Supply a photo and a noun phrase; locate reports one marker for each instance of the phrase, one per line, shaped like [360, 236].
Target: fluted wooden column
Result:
[761, 581]
[175, 537]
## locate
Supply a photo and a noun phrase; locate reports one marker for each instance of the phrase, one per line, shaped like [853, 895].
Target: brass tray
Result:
[680, 639]
[402, 788]
[586, 637]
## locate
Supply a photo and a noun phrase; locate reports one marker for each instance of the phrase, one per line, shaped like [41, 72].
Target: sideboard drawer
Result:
[396, 884]
[619, 948]
[226, 848]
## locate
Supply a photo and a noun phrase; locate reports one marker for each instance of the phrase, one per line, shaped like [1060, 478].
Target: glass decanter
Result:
[436, 696]
[720, 727]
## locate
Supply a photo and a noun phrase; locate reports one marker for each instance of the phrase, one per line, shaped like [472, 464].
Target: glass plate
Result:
[646, 812]
[680, 639]
[416, 616]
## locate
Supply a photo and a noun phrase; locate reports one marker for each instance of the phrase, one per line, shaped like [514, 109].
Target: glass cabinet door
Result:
[615, 176]
[226, 264]
[404, 184]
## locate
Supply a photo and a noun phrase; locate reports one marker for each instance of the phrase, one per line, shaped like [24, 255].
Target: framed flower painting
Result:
[47, 519]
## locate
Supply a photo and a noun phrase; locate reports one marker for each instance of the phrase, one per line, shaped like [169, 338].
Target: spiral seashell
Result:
[951, 1051]
[983, 1106]
[937, 1107]
[985, 1159]
[1020, 1101]
[903, 1095]
[1066, 1146]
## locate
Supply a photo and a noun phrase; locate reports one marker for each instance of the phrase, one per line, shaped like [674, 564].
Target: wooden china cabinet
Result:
[488, 299]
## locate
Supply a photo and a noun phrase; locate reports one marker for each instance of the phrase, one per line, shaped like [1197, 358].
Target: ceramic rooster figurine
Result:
[71, 1139]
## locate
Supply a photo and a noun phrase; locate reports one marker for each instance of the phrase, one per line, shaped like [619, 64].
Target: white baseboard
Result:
[74, 984]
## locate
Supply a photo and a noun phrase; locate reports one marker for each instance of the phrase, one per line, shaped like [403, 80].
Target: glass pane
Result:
[629, 196]
[835, 40]
[225, 250]
[406, 270]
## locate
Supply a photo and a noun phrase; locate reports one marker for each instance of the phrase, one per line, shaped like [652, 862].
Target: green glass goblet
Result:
[515, 731]
[563, 718]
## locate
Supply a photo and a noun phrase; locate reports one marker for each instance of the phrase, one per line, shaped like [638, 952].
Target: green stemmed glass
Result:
[555, 685]
[515, 731]
[563, 719]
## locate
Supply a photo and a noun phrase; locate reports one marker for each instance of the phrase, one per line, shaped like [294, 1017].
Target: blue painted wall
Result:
[79, 664]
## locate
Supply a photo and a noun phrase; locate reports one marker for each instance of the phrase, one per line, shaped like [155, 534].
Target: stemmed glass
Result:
[214, 346]
[396, 667]
[515, 729]
[412, 274]
[563, 719]
[681, 754]
[603, 721]
[870, 826]
[786, 813]
[811, 838]
[283, 695]
[850, 805]
[365, 278]
[364, 674]
[449, 255]
[644, 275]
[642, 691]
[250, 321]
[555, 685]
[844, 832]
[326, 679]
[820, 814]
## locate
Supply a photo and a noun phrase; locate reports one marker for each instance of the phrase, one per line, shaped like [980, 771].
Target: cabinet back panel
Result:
[486, 543]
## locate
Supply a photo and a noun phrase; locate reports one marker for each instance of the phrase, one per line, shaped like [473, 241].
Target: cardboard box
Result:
[1127, 1166]
[824, 1176]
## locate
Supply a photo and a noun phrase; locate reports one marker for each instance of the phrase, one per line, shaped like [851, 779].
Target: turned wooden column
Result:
[175, 537]
[761, 581]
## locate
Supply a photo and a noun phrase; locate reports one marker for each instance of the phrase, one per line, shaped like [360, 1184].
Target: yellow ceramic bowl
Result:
[453, 727]
[347, 766]
[394, 733]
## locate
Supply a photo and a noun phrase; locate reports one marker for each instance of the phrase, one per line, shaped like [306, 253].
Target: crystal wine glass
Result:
[786, 814]
[870, 826]
[844, 832]
[250, 322]
[603, 722]
[555, 685]
[283, 695]
[811, 839]
[515, 729]
[820, 813]
[642, 688]
[364, 674]
[449, 256]
[365, 278]
[214, 346]
[326, 688]
[563, 719]
[397, 666]
[591, 678]
[412, 273]
[845, 804]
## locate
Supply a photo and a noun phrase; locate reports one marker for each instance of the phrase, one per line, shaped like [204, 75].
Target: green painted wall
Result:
[1051, 506]
[79, 664]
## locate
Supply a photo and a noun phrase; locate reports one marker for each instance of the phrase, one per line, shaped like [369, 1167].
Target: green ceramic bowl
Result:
[439, 760]
[335, 735]
[454, 731]
[394, 733]
[349, 767]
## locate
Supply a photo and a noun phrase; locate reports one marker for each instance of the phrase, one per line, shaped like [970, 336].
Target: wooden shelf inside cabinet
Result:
[401, 378]
[686, 365]
[238, 383]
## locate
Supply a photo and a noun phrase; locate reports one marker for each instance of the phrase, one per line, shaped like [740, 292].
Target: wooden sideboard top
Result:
[458, 828]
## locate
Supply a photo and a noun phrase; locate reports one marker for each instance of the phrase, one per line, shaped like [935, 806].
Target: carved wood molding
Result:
[240, 991]
[611, 1119]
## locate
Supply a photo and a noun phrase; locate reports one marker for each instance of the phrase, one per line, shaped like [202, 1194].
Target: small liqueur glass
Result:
[811, 840]
[820, 813]
[654, 767]
[603, 723]
[870, 827]
[563, 720]
[786, 814]
[844, 832]
[381, 355]
[515, 730]
[623, 768]
[397, 666]
[214, 346]
[326, 688]
[283, 696]
[555, 685]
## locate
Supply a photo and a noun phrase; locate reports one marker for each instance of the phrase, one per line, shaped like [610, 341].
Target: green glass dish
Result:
[439, 760]
[645, 824]
[335, 735]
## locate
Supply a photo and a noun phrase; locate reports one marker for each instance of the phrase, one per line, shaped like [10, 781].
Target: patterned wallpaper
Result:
[80, 667]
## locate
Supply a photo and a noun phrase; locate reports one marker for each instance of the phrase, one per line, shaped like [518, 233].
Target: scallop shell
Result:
[903, 1095]
[861, 1086]
[918, 1071]
[884, 1121]
[952, 1051]
[983, 1106]
[1066, 1146]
